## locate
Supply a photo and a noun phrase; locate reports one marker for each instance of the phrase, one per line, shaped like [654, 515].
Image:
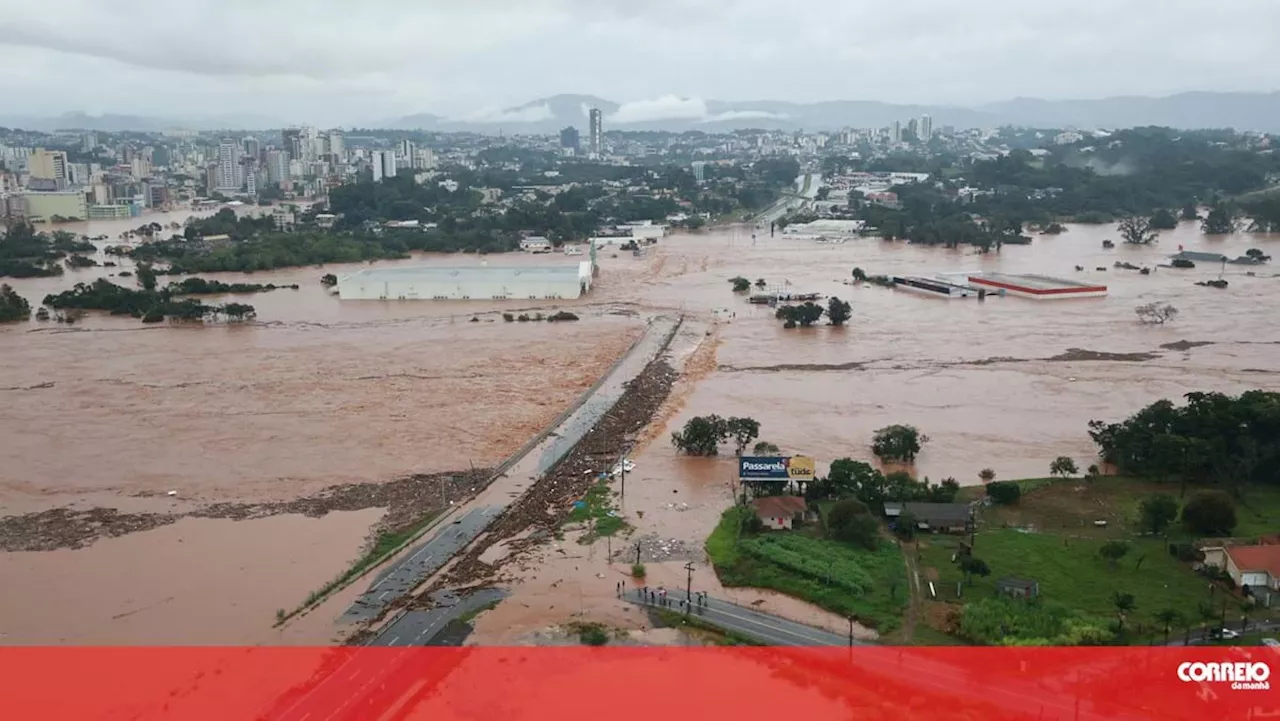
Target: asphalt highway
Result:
[420, 627]
[421, 563]
[763, 627]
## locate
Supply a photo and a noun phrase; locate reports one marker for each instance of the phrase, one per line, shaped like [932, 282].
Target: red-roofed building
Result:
[1257, 567]
[780, 512]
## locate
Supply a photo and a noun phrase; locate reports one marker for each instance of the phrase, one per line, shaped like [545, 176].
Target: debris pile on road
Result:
[655, 549]
[548, 502]
[407, 501]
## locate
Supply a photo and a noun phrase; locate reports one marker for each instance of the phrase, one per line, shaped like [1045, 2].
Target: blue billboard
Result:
[775, 468]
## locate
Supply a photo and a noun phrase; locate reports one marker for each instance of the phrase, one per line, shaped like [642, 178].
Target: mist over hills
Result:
[1242, 111]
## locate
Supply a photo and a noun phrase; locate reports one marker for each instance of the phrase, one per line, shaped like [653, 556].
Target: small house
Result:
[941, 517]
[1018, 587]
[780, 512]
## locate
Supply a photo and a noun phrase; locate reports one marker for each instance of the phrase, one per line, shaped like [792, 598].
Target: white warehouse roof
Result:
[493, 274]
[467, 283]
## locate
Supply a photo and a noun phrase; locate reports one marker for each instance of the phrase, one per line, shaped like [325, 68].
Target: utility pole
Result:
[637, 552]
[851, 632]
[622, 470]
[688, 589]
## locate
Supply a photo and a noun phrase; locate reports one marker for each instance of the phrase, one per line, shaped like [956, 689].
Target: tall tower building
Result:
[388, 164]
[228, 165]
[48, 165]
[252, 147]
[569, 138]
[336, 146]
[406, 149]
[595, 138]
[895, 132]
[277, 166]
[292, 139]
[926, 128]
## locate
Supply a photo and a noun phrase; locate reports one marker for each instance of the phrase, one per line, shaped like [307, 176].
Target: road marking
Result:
[393, 641]
[383, 595]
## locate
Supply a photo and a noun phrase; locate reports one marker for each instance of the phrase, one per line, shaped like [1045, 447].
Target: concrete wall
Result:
[532, 288]
[65, 204]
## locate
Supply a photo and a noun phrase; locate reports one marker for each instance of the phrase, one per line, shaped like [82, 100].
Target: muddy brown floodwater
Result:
[322, 392]
[1007, 383]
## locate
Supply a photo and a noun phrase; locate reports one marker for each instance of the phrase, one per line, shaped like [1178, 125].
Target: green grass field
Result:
[1071, 573]
[870, 585]
[1071, 506]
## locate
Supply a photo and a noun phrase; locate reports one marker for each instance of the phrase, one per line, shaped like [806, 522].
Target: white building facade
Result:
[471, 283]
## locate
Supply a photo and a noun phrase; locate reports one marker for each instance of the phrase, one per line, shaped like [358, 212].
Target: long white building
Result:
[470, 283]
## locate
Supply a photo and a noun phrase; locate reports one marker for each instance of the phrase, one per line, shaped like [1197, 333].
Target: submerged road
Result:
[419, 628]
[763, 627]
[472, 519]
[422, 561]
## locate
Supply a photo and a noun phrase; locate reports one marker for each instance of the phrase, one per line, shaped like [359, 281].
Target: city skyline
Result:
[479, 64]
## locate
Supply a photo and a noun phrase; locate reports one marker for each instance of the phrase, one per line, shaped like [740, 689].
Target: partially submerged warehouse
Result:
[468, 283]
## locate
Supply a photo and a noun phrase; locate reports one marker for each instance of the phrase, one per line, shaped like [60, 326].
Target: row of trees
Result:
[149, 304]
[13, 307]
[702, 435]
[24, 253]
[1212, 439]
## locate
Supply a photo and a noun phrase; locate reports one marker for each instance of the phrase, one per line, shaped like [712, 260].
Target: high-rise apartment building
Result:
[48, 165]
[335, 144]
[228, 165]
[389, 168]
[252, 147]
[406, 149]
[569, 138]
[277, 167]
[895, 132]
[595, 138]
[926, 128]
[292, 142]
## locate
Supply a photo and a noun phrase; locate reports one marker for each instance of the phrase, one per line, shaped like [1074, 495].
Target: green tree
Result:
[987, 475]
[803, 315]
[973, 566]
[898, 443]
[1169, 618]
[1137, 230]
[328, 279]
[905, 526]
[761, 284]
[765, 448]
[13, 307]
[859, 275]
[1004, 492]
[1063, 466]
[1158, 512]
[1190, 211]
[701, 435]
[146, 276]
[1209, 513]
[838, 311]
[1124, 603]
[1113, 551]
[849, 521]
[1163, 219]
[740, 284]
[742, 431]
[1220, 221]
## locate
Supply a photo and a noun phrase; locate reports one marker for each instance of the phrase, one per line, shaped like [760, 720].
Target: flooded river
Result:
[319, 392]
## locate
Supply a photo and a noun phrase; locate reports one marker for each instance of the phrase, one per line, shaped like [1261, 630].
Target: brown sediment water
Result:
[1006, 383]
[321, 392]
[197, 581]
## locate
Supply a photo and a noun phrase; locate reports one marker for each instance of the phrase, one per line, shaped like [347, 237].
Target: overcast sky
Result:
[331, 62]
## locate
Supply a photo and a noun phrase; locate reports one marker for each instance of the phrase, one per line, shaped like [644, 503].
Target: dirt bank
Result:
[407, 500]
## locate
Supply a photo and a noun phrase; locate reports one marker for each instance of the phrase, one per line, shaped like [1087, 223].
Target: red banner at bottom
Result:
[623, 683]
